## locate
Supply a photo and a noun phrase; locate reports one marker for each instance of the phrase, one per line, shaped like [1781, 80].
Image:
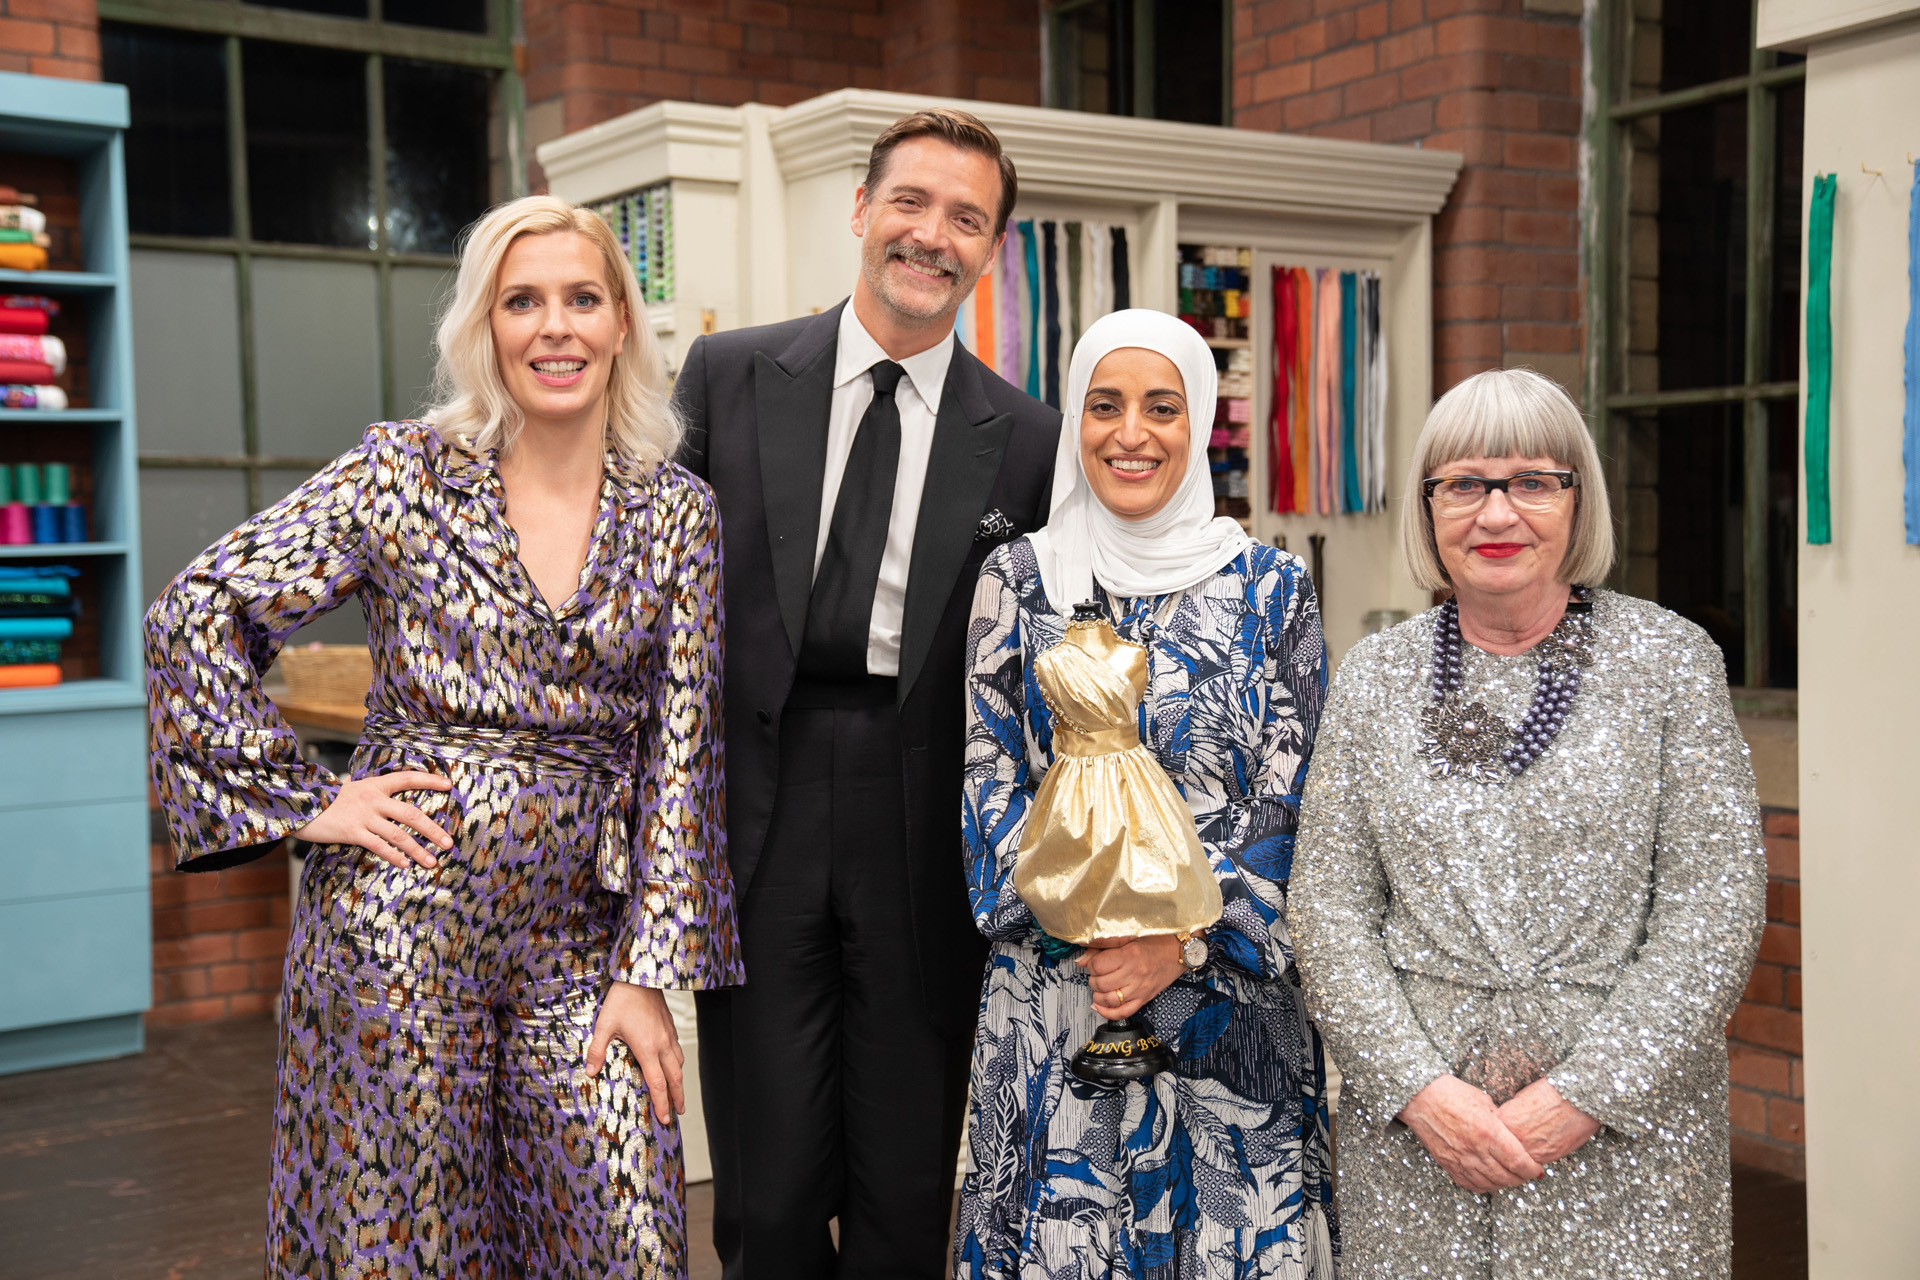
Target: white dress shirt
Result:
[918, 399]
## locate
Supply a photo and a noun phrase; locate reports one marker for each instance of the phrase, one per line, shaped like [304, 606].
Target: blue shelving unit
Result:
[75, 922]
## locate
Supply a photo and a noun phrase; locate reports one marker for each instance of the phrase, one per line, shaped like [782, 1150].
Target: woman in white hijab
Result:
[1219, 1167]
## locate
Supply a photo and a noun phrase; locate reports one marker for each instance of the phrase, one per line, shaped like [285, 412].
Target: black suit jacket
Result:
[756, 402]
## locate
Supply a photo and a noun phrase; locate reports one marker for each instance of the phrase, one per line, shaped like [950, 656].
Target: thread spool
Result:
[26, 484]
[16, 527]
[6, 484]
[45, 523]
[73, 523]
[56, 491]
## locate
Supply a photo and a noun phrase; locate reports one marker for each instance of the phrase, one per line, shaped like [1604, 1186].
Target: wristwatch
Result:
[1193, 950]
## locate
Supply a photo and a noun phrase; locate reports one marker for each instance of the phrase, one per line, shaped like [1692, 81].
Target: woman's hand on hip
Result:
[1548, 1126]
[639, 1017]
[366, 814]
[1124, 973]
[1462, 1130]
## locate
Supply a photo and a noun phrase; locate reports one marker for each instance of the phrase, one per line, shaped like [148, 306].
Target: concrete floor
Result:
[154, 1168]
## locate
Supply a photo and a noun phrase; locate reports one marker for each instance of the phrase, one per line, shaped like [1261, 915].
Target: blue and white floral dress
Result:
[1220, 1167]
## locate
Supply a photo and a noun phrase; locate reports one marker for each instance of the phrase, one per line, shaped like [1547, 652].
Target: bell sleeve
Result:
[998, 785]
[1339, 897]
[1707, 910]
[680, 929]
[1253, 857]
[224, 763]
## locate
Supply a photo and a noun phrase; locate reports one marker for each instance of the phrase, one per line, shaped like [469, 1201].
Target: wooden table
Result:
[325, 721]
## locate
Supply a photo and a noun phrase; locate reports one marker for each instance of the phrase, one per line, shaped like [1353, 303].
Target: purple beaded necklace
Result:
[1466, 736]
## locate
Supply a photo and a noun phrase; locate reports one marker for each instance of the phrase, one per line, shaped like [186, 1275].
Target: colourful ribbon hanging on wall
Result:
[1351, 498]
[1032, 310]
[1819, 359]
[1910, 419]
[1051, 281]
[1302, 375]
[1280, 412]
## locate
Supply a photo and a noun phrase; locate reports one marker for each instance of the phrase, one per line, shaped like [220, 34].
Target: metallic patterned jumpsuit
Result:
[434, 1116]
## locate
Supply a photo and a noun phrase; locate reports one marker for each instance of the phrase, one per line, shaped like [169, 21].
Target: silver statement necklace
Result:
[1466, 737]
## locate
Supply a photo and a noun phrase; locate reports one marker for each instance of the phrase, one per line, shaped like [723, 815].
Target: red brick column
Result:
[1763, 1041]
[50, 38]
[219, 939]
[1498, 81]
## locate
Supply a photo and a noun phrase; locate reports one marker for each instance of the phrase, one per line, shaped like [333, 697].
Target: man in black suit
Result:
[865, 464]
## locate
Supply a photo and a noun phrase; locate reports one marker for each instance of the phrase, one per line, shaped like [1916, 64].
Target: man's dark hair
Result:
[956, 128]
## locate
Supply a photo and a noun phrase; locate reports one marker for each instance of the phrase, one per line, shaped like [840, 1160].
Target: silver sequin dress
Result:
[1592, 920]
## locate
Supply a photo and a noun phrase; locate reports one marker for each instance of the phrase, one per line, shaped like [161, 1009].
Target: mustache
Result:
[923, 257]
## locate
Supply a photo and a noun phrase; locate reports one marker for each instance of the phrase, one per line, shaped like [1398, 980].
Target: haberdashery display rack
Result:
[738, 216]
[74, 909]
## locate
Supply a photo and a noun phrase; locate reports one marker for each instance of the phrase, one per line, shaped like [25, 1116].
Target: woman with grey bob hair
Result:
[1529, 883]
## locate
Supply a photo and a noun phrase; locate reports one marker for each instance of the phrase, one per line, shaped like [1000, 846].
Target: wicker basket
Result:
[328, 673]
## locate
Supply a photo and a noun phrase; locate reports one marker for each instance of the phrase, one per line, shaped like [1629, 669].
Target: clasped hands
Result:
[1124, 973]
[1483, 1147]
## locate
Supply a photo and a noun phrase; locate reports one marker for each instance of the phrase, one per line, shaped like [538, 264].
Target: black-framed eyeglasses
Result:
[1528, 490]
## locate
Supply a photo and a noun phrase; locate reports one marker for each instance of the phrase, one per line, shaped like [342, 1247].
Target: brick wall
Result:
[50, 38]
[219, 938]
[1498, 81]
[588, 61]
[1769, 1083]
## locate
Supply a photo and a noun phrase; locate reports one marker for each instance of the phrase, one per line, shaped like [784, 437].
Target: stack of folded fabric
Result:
[23, 232]
[29, 359]
[37, 609]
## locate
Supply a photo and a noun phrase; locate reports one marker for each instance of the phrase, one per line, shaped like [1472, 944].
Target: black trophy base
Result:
[1122, 1051]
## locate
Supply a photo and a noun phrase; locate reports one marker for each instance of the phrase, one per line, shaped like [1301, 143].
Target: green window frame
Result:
[377, 40]
[1612, 401]
[1137, 89]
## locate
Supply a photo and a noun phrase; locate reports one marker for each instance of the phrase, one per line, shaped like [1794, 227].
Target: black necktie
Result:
[840, 611]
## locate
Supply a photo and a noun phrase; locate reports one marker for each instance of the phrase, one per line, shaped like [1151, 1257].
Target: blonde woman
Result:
[478, 1071]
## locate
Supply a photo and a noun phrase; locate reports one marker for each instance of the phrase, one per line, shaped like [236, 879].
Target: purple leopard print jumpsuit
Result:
[434, 1116]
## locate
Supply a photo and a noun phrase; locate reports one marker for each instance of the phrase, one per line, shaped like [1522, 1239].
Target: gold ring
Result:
[1120, 995]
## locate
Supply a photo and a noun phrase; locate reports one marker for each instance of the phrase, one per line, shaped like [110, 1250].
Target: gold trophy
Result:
[1109, 849]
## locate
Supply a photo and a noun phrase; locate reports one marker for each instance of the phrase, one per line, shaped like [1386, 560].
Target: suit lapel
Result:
[968, 441]
[793, 398]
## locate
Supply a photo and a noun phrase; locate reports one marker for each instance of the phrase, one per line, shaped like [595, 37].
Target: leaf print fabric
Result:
[1219, 1168]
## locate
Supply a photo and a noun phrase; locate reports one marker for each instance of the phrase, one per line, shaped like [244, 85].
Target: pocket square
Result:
[993, 526]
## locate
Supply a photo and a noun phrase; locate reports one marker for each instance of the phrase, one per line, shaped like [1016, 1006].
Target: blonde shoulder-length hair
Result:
[470, 401]
[1508, 413]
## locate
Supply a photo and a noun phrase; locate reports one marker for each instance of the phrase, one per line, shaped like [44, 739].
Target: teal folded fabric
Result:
[36, 586]
[15, 652]
[35, 628]
[1819, 358]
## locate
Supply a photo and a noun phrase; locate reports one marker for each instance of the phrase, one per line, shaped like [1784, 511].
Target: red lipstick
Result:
[1500, 550]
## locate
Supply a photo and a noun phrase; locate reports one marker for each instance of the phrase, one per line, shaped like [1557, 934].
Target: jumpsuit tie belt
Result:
[530, 754]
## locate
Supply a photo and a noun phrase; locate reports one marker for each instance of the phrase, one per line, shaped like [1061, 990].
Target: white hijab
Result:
[1177, 546]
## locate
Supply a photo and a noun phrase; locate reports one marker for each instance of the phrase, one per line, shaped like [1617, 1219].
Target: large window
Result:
[1694, 321]
[1166, 59]
[296, 177]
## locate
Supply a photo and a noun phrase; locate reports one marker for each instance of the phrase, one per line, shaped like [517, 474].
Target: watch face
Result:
[1194, 953]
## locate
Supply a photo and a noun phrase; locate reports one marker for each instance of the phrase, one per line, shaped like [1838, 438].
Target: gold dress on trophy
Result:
[1109, 849]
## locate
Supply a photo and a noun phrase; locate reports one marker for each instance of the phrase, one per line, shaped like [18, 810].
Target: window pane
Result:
[1092, 58]
[1687, 42]
[182, 513]
[186, 364]
[307, 167]
[1189, 61]
[448, 15]
[1788, 157]
[1687, 214]
[417, 292]
[331, 8]
[437, 119]
[1698, 480]
[177, 179]
[316, 355]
